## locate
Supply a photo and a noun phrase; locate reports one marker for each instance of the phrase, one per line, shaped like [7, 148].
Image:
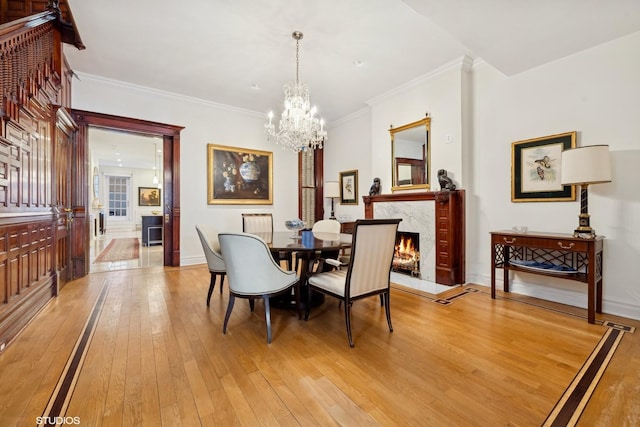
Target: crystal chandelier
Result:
[298, 130]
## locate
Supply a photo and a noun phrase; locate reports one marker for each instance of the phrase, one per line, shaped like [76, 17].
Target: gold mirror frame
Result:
[413, 166]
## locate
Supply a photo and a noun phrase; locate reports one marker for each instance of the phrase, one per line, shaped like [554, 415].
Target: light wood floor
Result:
[158, 357]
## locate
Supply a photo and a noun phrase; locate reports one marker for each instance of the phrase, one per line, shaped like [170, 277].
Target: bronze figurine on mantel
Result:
[375, 187]
[446, 183]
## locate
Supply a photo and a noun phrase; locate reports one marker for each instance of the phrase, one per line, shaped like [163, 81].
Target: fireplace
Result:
[406, 257]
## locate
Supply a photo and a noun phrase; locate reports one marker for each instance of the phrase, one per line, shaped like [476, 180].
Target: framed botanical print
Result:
[536, 169]
[349, 187]
[239, 176]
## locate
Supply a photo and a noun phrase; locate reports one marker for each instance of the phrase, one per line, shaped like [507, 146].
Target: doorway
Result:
[167, 139]
[126, 192]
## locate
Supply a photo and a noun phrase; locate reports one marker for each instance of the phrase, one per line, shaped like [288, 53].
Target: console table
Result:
[550, 254]
[152, 230]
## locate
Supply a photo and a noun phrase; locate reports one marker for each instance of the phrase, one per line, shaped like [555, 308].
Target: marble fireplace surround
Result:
[439, 218]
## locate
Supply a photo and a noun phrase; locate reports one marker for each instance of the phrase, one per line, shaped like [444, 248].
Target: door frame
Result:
[170, 173]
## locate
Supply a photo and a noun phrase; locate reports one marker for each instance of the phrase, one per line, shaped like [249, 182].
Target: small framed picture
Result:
[536, 166]
[148, 196]
[349, 187]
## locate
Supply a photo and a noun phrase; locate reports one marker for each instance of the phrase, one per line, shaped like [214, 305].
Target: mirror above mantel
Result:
[410, 155]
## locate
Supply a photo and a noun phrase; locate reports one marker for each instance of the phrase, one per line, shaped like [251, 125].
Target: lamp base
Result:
[584, 234]
[584, 230]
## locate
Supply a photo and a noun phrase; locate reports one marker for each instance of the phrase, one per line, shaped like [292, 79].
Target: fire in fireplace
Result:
[406, 258]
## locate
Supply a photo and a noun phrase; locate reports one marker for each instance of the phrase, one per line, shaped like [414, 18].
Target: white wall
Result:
[204, 123]
[595, 93]
[349, 148]
[440, 95]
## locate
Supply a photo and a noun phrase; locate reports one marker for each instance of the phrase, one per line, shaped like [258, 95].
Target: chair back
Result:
[251, 268]
[326, 226]
[257, 223]
[372, 251]
[209, 239]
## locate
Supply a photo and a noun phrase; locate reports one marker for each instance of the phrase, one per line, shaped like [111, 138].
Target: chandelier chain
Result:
[297, 61]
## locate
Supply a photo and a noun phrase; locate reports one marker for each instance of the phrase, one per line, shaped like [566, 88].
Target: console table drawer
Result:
[568, 244]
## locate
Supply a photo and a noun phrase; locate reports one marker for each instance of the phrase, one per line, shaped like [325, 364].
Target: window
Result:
[118, 196]
[310, 197]
[307, 188]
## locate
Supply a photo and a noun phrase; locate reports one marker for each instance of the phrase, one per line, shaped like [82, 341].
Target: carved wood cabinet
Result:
[36, 142]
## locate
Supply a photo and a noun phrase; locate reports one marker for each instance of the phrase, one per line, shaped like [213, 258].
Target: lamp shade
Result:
[331, 189]
[586, 165]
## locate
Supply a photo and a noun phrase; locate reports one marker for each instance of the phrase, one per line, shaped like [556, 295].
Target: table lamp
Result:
[332, 191]
[584, 166]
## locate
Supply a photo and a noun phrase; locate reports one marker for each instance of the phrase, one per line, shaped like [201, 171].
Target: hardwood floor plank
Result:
[114, 401]
[199, 389]
[271, 401]
[241, 407]
[150, 393]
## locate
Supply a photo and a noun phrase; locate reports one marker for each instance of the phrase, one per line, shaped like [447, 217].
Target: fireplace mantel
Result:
[449, 229]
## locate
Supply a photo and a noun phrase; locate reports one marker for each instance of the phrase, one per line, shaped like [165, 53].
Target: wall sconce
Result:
[584, 166]
[332, 191]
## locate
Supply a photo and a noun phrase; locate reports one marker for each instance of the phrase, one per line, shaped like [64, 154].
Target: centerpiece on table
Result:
[294, 225]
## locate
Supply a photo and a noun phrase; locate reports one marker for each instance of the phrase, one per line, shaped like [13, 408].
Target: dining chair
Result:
[261, 224]
[253, 273]
[368, 272]
[321, 229]
[326, 226]
[257, 223]
[209, 238]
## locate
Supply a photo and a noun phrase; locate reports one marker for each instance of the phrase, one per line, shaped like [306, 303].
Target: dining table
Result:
[307, 247]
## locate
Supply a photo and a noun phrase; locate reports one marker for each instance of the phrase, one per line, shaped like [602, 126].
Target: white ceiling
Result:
[240, 52]
[125, 149]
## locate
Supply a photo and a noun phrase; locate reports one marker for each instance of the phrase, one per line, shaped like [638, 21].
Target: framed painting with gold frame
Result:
[536, 169]
[239, 176]
[149, 196]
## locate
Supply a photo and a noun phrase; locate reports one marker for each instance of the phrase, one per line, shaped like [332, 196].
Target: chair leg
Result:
[212, 284]
[307, 309]
[221, 282]
[252, 304]
[387, 310]
[232, 300]
[296, 289]
[347, 318]
[267, 317]
[381, 300]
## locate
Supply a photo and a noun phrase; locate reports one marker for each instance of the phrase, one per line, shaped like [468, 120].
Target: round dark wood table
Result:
[307, 246]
